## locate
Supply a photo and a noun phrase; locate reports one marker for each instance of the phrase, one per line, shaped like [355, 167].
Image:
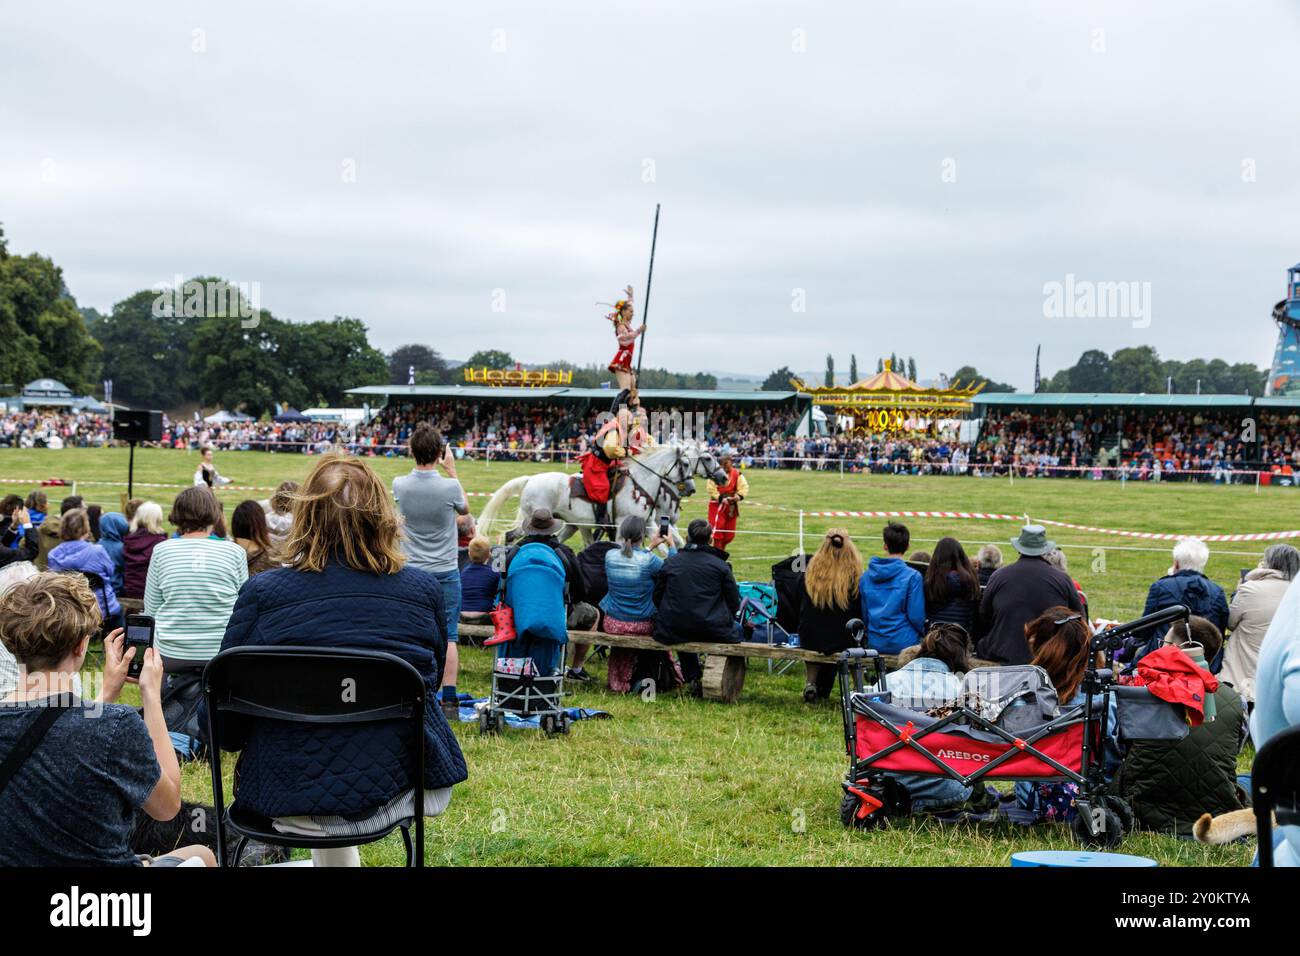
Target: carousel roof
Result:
[887, 381]
[888, 387]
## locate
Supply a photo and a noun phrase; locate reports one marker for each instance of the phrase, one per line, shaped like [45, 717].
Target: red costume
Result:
[622, 360]
[595, 476]
[722, 515]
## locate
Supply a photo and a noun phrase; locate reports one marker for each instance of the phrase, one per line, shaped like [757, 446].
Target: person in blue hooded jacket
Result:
[893, 595]
[77, 552]
[112, 526]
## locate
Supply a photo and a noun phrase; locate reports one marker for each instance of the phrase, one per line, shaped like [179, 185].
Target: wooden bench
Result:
[723, 669]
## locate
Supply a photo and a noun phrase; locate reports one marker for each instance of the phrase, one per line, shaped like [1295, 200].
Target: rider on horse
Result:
[624, 434]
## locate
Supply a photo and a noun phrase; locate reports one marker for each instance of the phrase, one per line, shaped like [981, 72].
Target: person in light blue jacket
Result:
[1277, 699]
[893, 596]
[630, 571]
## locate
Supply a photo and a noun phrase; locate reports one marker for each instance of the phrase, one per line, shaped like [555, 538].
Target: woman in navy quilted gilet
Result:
[346, 586]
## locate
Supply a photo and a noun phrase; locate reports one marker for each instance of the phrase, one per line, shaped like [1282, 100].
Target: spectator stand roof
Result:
[650, 396]
[1113, 400]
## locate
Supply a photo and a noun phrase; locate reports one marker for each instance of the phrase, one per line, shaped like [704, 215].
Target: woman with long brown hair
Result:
[1060, 641]
[828, 601]
[952, 586]
[347, 586]
[249, 530]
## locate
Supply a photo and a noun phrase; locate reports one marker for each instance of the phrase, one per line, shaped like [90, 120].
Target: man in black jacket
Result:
[1017, 593]
[697, 598]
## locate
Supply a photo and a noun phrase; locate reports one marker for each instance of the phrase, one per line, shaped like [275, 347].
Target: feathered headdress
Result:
[622, 308]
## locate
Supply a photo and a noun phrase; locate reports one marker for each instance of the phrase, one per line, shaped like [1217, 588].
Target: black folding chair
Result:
[1275, 788]
[306, 685]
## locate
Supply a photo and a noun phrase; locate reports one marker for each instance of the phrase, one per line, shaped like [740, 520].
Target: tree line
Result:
[168, 348]
[1129, 371]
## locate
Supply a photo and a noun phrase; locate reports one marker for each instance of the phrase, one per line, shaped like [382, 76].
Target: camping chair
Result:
[1275, 788]
[301, 685]
[757, 612]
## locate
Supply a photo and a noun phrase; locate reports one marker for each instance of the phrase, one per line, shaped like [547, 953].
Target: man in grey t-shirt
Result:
[429, 504]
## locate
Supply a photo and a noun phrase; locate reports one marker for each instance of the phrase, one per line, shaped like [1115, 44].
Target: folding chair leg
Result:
[410, 848]
[234, 858]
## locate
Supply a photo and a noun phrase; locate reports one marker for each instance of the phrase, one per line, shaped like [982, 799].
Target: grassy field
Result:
[681, 781]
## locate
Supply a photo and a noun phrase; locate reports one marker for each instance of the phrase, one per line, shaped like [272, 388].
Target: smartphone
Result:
[663, 526]
[139, 634]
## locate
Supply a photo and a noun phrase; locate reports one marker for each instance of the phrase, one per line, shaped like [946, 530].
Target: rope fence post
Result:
[801, 548]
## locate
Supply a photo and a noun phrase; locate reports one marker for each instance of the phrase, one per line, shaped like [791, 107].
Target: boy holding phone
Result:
[88, 765]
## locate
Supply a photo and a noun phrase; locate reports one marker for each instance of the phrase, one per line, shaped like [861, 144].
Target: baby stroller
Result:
[528, 673]
[883, 740]
[522, 687]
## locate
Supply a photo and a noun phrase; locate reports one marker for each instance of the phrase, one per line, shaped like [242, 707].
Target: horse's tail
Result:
[503, 494]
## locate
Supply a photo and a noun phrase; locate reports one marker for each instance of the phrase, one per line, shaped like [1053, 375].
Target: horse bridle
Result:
[674, 487]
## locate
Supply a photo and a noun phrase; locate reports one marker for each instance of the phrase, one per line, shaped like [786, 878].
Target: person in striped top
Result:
[193, 582]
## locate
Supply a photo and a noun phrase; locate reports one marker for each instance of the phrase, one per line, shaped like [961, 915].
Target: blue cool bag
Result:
[534, 590]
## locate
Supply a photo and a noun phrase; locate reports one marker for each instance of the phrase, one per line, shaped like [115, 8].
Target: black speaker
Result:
[138, 424]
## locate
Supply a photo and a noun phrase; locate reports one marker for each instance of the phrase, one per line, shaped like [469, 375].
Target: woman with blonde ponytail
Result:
[829, 600]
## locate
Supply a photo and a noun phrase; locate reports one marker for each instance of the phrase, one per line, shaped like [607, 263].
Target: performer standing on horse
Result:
[621, 363]
[724, 502]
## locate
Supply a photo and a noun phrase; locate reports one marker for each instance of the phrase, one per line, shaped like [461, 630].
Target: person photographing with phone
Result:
[430, 504]
[18, 540]
[73, 772]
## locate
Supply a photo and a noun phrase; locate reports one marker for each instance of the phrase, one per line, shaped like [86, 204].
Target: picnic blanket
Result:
[468, 714]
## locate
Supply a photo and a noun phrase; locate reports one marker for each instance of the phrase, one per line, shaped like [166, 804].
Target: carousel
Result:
[890, 403]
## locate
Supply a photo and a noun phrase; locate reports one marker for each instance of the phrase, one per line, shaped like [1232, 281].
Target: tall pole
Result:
[645, 309]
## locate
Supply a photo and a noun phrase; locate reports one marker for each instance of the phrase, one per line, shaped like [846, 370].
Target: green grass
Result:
[681, 781]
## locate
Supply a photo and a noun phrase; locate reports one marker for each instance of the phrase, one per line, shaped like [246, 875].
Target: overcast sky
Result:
[919, 170]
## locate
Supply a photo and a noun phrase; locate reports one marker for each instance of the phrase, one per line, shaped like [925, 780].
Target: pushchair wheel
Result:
[862, 814]
[562, 723]
[1124, 810]
[549, 725]
[1101, 830]
[487, 722]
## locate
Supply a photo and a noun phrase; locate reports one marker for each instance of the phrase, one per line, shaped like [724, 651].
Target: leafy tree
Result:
[968, 374]
[330, 357]
[853, 368]
[880, 365]
[243, 368]
[830, 371]
[423, 358]
[146, 355]
[42, 330]
[778, 381]
[911, 368]
[490, 358]
[1137, 370]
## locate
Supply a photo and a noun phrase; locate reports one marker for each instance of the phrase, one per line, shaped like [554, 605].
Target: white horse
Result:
[657, 481]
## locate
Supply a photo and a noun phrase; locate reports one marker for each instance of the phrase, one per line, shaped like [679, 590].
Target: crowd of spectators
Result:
[1218, 446]
[46, 429]
[398, 576]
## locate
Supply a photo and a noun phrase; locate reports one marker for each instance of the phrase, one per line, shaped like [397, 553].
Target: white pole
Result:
[1257, 481]
[801, 550]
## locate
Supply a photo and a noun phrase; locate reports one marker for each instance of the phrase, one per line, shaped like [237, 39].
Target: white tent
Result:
[224, 417]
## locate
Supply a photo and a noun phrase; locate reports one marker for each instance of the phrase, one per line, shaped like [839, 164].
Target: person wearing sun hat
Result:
[1019, 592]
